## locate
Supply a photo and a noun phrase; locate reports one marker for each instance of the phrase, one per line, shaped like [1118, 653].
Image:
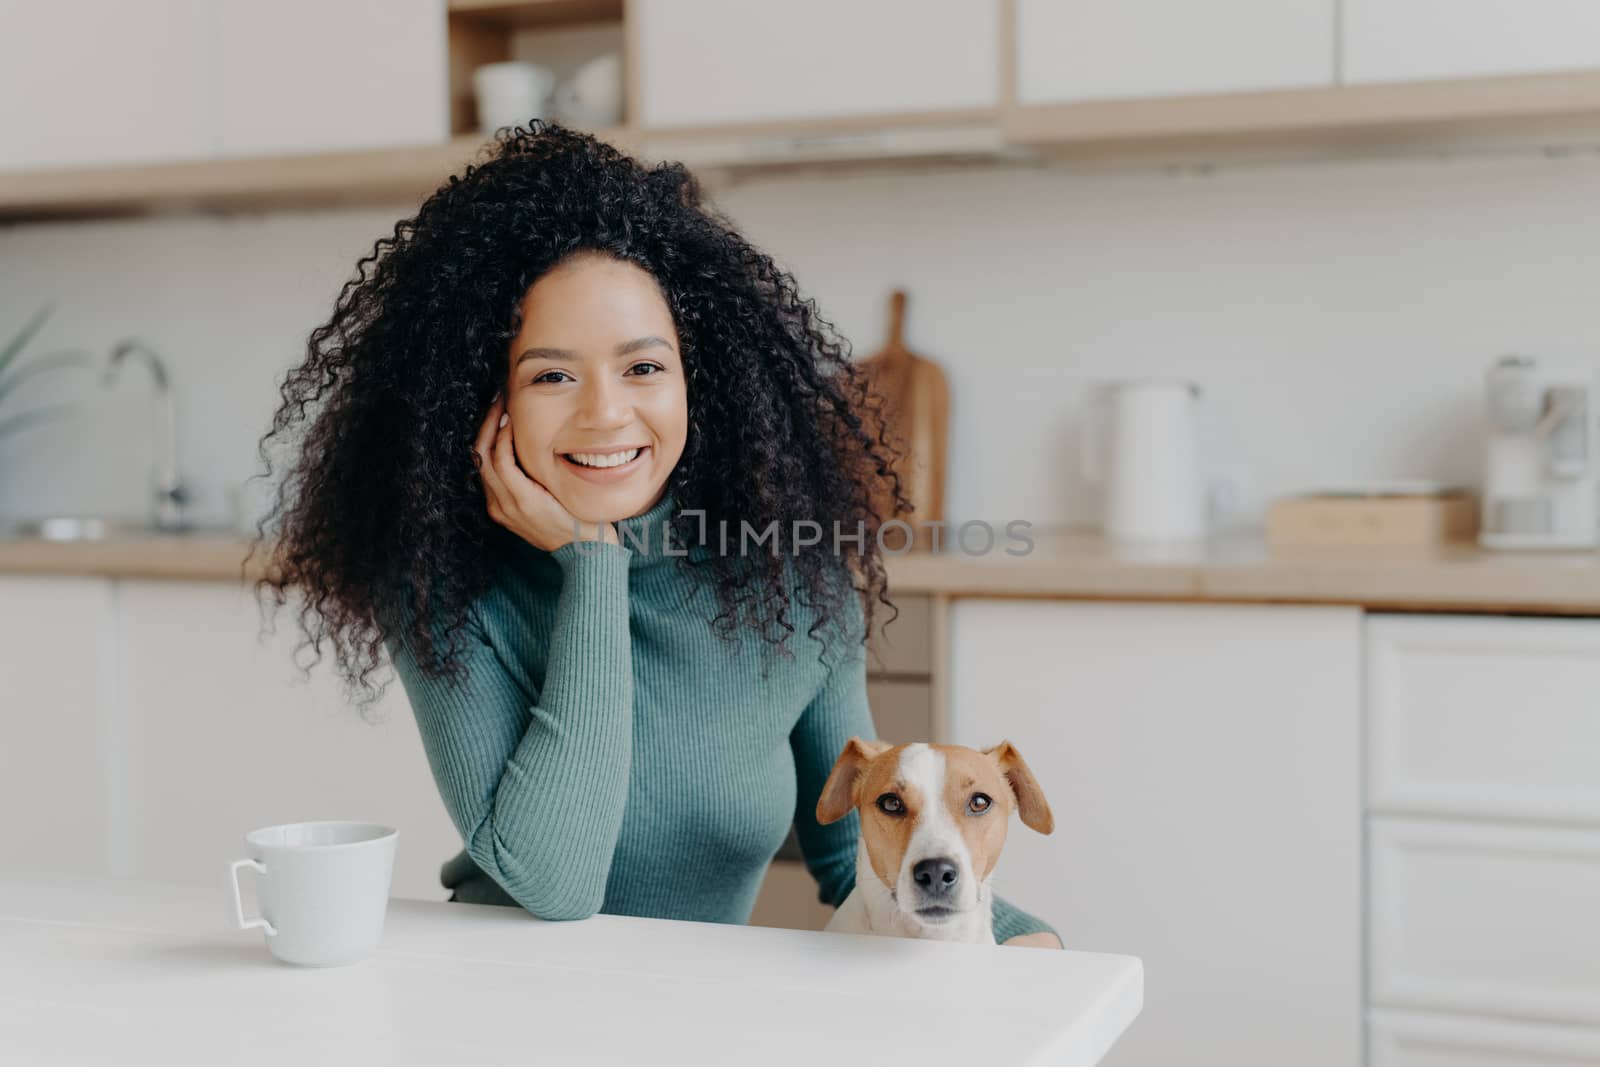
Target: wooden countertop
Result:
[1065, 563]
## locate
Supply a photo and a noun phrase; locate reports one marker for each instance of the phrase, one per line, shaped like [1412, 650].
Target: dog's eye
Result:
[979, 803]
[890, 804]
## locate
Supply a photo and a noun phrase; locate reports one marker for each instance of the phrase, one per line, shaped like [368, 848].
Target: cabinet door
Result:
[105, 81]
[223, 735]
[1203, 764]
[1403, 1039]
[1486, 919]
[55, 662]
[1484, 717]
[1100, 49]
[325, 75]
[703, 62]
[1407, 40]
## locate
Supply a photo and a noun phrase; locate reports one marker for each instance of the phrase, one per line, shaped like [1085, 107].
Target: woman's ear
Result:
[839, 791]
[1031, 805]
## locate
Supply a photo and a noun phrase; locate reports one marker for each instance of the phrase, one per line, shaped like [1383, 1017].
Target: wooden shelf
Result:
[1509, 110]
[541, 13]
[325, 178]
[1384, 113]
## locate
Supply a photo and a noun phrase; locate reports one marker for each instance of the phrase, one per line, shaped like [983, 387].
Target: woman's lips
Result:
[606, 475]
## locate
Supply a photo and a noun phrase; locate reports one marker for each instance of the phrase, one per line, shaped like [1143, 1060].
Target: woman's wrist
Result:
[587, 549]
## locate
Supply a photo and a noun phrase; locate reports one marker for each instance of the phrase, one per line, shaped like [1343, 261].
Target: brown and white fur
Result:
[929, 841]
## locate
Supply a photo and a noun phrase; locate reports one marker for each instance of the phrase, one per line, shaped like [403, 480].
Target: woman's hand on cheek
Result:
[515, 500]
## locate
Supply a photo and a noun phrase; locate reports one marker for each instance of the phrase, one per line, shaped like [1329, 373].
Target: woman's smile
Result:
[604, 468]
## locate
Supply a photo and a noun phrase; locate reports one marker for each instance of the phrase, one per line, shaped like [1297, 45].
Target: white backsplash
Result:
[1339, 316]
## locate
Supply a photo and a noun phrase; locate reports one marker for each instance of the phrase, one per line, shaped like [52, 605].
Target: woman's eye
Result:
[545, 377]
[641, 366]
[979, 803]
[890, 804]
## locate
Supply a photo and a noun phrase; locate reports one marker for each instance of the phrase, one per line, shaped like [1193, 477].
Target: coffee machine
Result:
[1541, 483]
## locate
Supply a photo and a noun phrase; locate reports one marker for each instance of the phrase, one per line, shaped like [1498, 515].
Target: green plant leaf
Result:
[20, 340]
[17, 423]
[41, 365]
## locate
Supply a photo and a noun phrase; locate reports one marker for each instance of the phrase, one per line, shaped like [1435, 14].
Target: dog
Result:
[933, 821]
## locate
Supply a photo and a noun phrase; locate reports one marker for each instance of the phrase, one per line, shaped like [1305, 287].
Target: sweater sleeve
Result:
[536, 784]
[838, 712]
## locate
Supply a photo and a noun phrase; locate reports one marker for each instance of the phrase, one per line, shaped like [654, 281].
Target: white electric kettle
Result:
[1141, 441]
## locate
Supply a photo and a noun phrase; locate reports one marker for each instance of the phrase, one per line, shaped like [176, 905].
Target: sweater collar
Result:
[646, 534]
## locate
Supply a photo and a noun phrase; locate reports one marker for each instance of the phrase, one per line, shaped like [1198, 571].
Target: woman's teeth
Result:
[613, 459]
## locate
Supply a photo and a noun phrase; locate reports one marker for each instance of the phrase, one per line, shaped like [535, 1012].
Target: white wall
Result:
[1339, 315]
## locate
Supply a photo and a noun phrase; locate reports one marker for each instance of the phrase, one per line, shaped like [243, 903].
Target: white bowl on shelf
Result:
[592, 97]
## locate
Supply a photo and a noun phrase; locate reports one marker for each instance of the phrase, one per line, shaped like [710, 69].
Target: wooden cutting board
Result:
[917, 412]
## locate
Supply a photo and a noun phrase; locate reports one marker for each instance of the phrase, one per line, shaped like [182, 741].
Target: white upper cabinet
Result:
[326, 75]
[104, 81]
[1407, 40]
[703, 62]
[1072, 50]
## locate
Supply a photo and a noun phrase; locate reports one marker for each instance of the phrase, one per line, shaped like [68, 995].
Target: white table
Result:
[114, 972]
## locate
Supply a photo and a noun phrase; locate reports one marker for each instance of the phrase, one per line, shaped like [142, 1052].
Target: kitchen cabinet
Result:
[1488, 717]
[1483, 738]
[112, 82]
[1071, 50]
[1406, 1039]
[309, 75]
[105, 81]
[1483, 918]
[712, 62]
[223, 734]
[1203, 763]
[57, 740]
[1409, 40]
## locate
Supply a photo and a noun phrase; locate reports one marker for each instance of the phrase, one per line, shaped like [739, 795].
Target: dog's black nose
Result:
[936, 876]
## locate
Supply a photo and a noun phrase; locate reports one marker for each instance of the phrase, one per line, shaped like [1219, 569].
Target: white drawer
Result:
[1481, 918]
[1493, 716]
[1404, 1039]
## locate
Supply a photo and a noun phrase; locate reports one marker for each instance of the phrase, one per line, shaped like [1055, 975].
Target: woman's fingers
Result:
[486, 428]
[483, 454]
[520, 493]
[517, 486]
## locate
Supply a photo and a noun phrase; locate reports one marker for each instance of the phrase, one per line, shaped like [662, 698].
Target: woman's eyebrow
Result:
[626, 348]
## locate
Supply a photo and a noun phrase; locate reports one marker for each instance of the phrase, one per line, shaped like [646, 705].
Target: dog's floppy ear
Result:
[839, 791]
[1031, 805]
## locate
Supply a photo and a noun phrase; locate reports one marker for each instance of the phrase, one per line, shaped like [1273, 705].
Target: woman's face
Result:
[595, 374]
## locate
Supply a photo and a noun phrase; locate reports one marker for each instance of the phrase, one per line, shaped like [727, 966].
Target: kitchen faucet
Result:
[170, 493]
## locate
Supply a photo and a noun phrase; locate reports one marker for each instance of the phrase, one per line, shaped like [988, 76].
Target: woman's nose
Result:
[602, 404]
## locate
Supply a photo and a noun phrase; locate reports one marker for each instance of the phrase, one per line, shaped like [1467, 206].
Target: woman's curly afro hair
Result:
[381, 515]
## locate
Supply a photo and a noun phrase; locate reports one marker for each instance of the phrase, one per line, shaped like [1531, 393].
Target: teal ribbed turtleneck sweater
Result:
[609, 752]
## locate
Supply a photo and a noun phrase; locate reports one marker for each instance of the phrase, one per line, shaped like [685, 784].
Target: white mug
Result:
[511, 93]
[324, 889]
[1155, 488]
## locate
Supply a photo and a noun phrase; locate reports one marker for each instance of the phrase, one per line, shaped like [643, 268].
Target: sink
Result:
[106, 528]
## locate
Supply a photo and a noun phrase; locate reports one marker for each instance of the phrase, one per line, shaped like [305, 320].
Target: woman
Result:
[535, 394]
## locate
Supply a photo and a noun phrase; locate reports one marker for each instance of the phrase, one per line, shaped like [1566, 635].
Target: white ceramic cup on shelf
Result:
[511, 93]
[323, 889]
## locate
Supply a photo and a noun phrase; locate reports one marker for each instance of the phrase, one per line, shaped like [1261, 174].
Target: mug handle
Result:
[238, 904]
